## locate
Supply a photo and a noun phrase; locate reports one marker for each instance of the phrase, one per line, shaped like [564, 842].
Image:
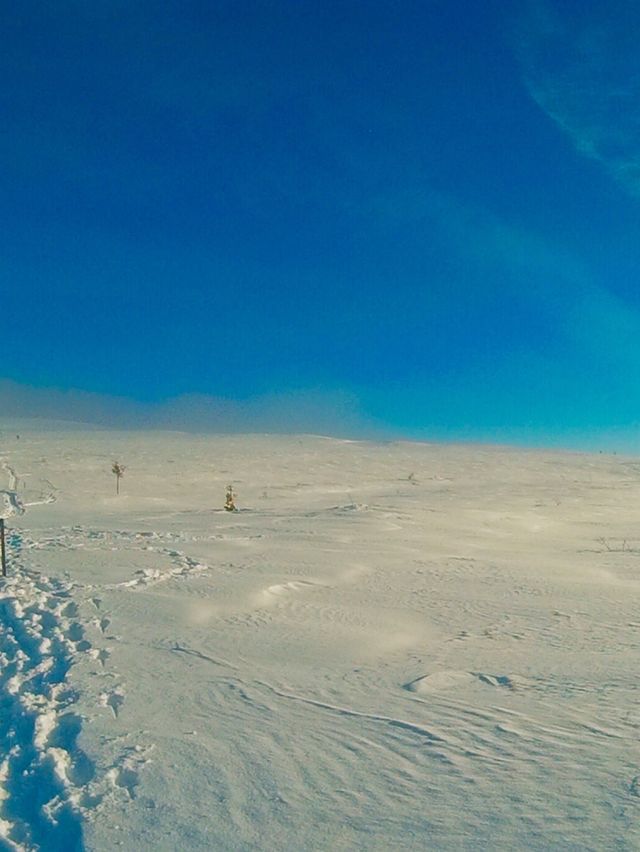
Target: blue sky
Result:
[388, 218]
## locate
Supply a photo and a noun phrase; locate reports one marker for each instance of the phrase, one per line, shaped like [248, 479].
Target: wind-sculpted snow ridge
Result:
[16, 498]
[11, 473]
[10, 504]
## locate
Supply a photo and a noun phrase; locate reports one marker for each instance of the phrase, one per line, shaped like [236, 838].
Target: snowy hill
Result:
[396, 646]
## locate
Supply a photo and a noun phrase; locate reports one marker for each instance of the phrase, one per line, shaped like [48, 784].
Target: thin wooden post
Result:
[3, 552]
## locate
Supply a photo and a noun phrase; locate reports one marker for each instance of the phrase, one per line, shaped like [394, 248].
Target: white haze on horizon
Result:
[337, 414]
[314, 411]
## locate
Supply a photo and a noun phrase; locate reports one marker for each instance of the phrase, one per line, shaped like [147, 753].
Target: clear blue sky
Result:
[428, 208]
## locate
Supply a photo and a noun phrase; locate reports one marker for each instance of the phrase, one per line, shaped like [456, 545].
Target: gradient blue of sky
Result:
[429, 208]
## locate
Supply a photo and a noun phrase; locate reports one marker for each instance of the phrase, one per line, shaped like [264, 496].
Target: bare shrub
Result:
[118, 469]
[229, 503]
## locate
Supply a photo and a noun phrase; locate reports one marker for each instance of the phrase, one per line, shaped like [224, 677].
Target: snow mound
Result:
[10, 504]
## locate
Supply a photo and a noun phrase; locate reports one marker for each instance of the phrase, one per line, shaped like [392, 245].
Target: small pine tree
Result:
[118, 469]
[229, 503]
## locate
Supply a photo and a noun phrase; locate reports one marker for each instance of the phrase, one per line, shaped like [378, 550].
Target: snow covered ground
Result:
[389, 646]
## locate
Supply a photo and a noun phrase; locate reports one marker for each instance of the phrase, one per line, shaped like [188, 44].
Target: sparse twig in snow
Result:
[118, 469]
[610, 546]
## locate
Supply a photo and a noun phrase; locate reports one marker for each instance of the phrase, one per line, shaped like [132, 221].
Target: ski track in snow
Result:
[180, 565]
[48, 785]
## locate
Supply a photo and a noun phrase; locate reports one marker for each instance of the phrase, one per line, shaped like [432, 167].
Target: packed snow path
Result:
[45, 775]
[49, 787]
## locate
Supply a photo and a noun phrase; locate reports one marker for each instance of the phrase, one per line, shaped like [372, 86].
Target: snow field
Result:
[388, 647]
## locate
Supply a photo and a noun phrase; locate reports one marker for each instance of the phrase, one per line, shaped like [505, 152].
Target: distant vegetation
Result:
[118, 469]
[229, 503]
